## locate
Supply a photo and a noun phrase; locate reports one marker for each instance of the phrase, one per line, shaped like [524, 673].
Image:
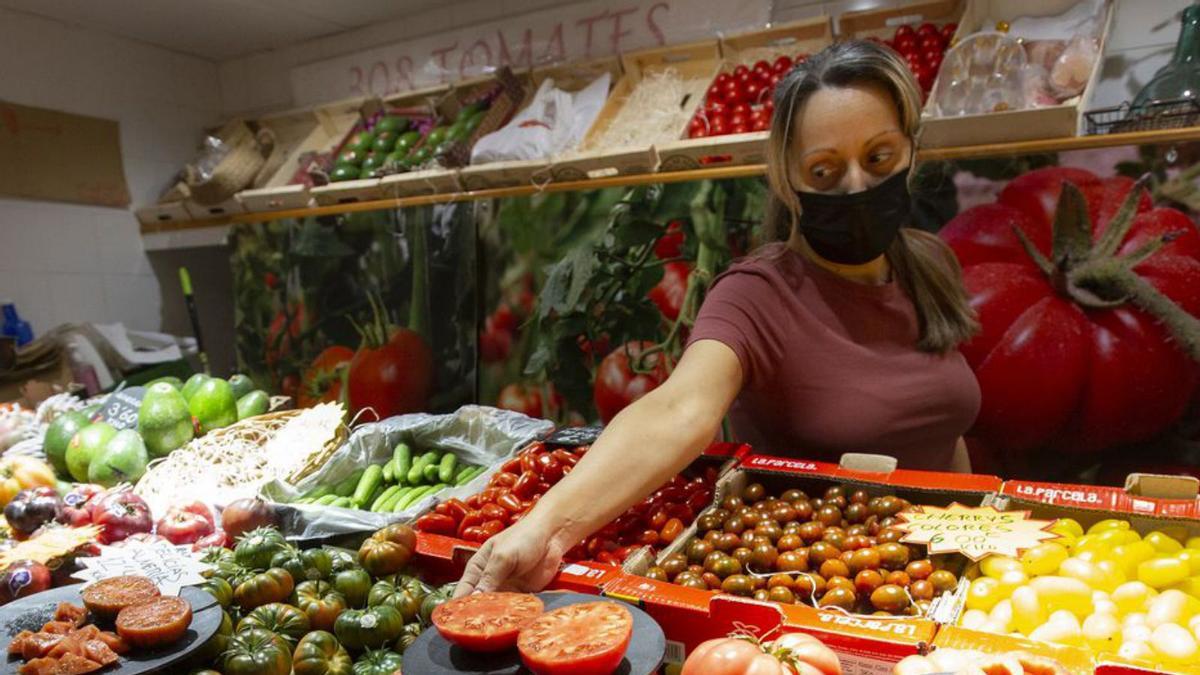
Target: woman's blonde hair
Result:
[921, 262]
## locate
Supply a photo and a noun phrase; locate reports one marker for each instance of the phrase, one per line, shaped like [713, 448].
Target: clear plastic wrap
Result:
[476, 434]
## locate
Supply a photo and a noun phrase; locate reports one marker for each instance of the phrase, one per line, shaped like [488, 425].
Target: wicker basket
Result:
[248, 153]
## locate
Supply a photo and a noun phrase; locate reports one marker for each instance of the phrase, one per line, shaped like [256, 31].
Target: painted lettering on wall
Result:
[580, 31]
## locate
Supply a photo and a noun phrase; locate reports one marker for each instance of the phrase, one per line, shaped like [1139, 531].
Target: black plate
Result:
[431, 654]
[32, 612]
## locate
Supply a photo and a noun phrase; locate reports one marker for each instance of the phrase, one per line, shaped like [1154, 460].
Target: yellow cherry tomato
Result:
[995, 566]
[1133, 596]
[983, 594]
[1129, 556]
[1068, 526]
[1109, 524]
[1163, 572]
[1162, 542]
[1044, 558]
[1027, 610]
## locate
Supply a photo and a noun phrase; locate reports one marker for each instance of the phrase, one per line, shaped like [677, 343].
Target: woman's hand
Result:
[678, 419]
[521, 558]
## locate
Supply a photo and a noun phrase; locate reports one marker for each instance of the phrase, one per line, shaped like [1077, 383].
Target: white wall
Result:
[62, 263]
[1141, 41]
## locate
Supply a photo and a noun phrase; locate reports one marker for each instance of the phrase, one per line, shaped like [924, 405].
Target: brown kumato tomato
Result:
[486, 622]
[154, 623]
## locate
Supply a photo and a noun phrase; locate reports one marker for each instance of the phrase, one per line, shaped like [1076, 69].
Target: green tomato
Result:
[310, 565]
[257, 547]
[433, 600]
[212, 650]
[354, 584]
[409, 635]
[284, 620]
[321, 602]
[343, 558]
[387, 593]
[274, 585]
[359, 629]
[257, 652]
[378, 662]
[319, 653]
[220, 589]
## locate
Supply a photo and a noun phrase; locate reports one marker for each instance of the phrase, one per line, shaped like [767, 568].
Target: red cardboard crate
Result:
[1075, 660]
[865, 645]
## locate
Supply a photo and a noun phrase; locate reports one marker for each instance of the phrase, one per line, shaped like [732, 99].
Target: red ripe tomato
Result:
[718, 126]
[392, 378]
[740, 71]
[670, 245]
[590, 637]
[743, 128]
[716, 93]
[732, 93]
[527, 400]
[697, 133]
[762, 70]
[1055, 369]
[722, 79]
[904, 30]
[905, 44]
[486, 622]
[754, 91]
[182, 526]
[925, 76]
[503, 318]
[932, 58]
[322, 382]
[948, 31]
[283, 334]
[494, 344]
[738, 120]
[782, 65]
[926, 29]
[930, 43]
[617, 385]
[761, 124]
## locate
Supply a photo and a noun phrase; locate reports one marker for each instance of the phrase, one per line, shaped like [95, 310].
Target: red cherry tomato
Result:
[649, 538]
[904, 30]
[455, 508]
[680, 511]
[494, 512]
[715, 94]
[511, 466]
[930, 42]
[743, 109]
[510, 503]
[525, 486]
[436, 523]
[671, 530]
[722, 79]
[657, 518]
[932, 58]
[504, 479]
[782, 65]
[472, 519]
[493, 527]
[699, 500]
[948, 31]
[740, 71]
[565, 458]
[474, 534]
[927, 29]
[906, 44]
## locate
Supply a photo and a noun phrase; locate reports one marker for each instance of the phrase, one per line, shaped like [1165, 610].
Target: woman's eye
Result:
[879, 157]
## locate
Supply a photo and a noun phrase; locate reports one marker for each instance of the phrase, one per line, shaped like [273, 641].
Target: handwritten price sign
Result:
[976, 532]
[167, 565]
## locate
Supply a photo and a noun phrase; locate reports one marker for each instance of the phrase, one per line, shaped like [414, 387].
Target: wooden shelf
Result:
[717, 173]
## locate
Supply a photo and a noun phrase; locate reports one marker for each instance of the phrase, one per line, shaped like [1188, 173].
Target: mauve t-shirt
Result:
[831, 365]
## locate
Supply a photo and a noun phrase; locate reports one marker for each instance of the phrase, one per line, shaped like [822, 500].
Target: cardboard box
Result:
[1149, 502]
[1075, 660]
[1057, 121]
[791, 39]
[866, 644]
[570, 77]
[697, 62]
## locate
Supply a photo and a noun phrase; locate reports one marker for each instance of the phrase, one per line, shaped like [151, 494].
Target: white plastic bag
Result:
[553, 123]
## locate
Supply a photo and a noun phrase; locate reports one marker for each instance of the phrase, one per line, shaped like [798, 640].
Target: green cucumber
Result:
[384, 496]
[412, 497]
[402, 458]
[386, 506]
[389, 471]
[446, 467]
[344, 502]
[321, 491]
[346, 487]
[469, 475]
[417, 472]
[326, 500]
[430, 474]
[302, 500]
[367, 484]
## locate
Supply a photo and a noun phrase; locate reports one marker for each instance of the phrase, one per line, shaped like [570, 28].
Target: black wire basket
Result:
[1171, 114]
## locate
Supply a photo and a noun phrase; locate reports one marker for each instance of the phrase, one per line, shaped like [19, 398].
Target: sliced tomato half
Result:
[578, 639]
[486, 622]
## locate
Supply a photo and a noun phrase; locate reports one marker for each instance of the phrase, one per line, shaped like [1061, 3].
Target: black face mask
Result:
[855, 228]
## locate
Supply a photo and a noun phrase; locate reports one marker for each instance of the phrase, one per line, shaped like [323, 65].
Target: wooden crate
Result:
[302, 136]
[568, 77]
[367, 111]
[161, 214]
[698, 61]
[419, 183]
[514, 93]
[806, 36]
[1057, 121]
[881, 23]
[222, 209]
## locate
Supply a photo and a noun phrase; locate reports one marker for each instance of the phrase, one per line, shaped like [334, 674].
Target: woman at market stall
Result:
[841, 338]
